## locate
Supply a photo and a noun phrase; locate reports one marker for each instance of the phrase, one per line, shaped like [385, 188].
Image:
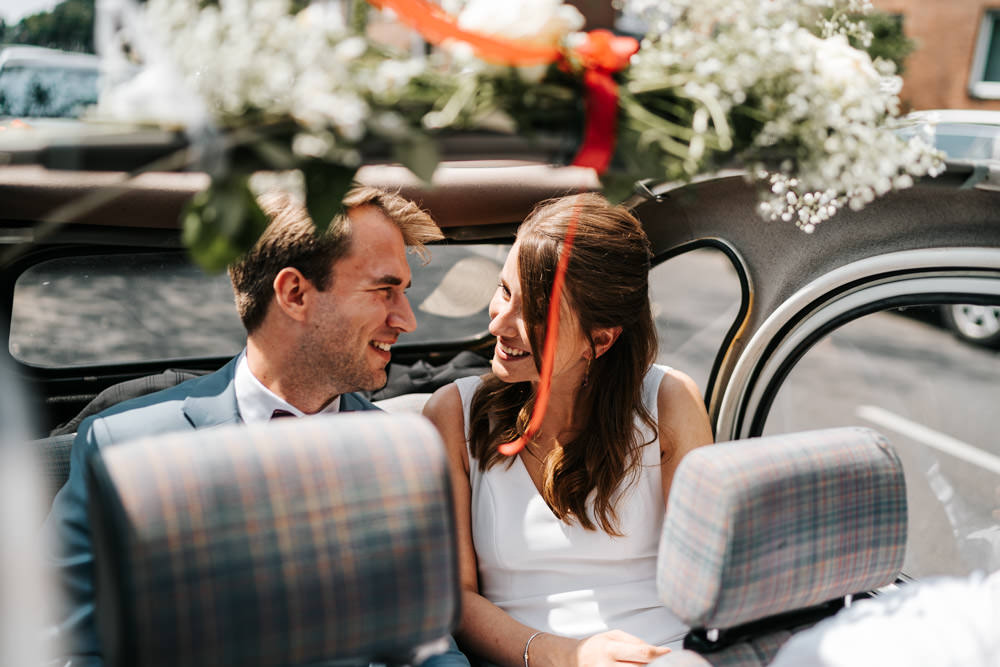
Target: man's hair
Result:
[291, 240]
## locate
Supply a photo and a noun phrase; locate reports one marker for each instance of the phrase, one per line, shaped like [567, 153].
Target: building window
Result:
[984, 82]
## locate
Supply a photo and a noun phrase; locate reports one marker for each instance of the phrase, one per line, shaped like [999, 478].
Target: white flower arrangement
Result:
[773, 85]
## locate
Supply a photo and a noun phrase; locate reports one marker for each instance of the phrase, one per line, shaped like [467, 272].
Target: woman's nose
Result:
[500, 320]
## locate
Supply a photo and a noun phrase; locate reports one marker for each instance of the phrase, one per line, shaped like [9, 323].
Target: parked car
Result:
[37, 82]
[972, 137]
[784, 331]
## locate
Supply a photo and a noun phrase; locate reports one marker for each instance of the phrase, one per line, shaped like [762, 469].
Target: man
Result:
[321, 314]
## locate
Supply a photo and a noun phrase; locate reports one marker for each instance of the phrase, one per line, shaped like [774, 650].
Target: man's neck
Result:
[287, 377]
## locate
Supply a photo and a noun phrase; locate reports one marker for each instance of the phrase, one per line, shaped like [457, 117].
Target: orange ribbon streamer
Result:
[601, 55]
[549, 351]
[435, 25]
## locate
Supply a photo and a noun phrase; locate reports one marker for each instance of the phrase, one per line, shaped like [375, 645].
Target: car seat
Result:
[294, 542]
[766, 536]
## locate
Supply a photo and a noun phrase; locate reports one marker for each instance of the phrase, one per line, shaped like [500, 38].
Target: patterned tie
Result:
[279, 413]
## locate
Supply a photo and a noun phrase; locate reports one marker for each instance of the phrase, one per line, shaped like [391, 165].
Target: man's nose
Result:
[401, 316]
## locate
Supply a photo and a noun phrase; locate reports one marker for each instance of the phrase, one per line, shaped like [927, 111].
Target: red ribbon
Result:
[601, 55]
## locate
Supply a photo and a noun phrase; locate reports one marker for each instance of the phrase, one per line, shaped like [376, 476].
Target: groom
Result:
[321, 313]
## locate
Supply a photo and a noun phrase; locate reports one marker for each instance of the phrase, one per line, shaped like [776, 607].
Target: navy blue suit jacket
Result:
[203, 402]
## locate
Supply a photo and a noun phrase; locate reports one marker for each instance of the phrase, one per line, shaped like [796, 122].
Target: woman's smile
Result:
[508, 353]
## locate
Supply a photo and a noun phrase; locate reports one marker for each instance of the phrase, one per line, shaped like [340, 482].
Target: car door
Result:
[841, 327]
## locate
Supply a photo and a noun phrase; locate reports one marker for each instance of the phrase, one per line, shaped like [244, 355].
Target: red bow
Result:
[601, 55]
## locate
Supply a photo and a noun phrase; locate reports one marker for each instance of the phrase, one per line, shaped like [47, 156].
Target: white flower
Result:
[842, 66]
[541, 21]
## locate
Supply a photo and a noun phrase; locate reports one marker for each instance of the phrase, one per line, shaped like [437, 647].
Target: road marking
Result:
[929, 437]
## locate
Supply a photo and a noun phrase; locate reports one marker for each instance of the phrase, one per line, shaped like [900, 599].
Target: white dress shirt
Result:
[256, 402]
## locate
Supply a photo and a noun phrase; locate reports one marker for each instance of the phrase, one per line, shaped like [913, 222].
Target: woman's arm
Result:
[682, 422]
[486, 629]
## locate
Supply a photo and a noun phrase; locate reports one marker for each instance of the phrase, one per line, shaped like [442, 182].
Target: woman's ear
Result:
[290, 292]
[604, 338]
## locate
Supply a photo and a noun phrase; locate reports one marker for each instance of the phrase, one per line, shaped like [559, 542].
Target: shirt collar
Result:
[256, 402]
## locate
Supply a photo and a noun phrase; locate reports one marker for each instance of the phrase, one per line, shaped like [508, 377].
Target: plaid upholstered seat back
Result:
[287, 543]
[763, 526]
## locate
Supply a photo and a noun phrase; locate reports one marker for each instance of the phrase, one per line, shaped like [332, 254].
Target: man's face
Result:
[363, 311]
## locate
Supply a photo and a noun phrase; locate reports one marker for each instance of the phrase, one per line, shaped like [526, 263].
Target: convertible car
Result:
[794, 338]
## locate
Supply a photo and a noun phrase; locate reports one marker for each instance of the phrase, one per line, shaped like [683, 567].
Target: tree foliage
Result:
[69, 26]
[889, 42]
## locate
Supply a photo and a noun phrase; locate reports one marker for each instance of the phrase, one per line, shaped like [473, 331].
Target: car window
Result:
[123, 308]
[47, 92]
[695, 298]
[932, 391]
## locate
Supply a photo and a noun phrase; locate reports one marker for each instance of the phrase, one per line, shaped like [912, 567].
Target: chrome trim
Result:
[911, 263]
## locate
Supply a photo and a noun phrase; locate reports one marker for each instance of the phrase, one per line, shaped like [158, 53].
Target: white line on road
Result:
[929, 437]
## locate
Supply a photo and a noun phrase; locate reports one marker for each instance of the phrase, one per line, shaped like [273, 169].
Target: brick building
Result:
[957, 61]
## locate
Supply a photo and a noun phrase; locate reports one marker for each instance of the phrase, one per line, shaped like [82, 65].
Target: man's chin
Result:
[377, 381]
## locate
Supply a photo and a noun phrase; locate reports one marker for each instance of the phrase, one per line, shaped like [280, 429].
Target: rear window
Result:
[126, 308]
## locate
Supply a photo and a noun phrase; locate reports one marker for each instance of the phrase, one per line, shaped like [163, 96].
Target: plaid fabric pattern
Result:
[53, 452]
[766, 525]
[288, 542]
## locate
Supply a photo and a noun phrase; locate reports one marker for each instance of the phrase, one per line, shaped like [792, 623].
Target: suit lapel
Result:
[213, 401]
[352, 402]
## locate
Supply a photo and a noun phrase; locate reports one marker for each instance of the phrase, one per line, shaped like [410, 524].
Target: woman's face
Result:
[513, 358]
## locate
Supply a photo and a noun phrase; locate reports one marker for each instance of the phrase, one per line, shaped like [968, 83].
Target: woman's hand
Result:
[615, 647]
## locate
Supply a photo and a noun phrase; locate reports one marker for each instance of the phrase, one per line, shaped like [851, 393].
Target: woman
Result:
[558, 544]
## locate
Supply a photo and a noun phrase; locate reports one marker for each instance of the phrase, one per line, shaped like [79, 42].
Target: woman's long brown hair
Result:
[607, 285]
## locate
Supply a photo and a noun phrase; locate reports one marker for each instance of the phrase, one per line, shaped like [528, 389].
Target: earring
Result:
[586, 373]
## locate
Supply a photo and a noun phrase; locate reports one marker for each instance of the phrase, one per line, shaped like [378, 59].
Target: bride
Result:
[558, 544]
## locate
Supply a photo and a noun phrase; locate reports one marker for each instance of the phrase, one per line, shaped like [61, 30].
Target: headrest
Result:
[285, 543]
[762, 526]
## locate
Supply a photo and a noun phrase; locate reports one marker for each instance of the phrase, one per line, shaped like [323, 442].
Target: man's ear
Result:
[604, 338]
[291, 290]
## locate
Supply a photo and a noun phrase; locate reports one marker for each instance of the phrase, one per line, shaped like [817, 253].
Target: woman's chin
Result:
[503, 373]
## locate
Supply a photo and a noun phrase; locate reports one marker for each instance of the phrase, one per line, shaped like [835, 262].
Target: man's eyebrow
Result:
[389, 279]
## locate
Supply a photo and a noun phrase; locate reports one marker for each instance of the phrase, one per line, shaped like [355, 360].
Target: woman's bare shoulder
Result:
[681, 411]
[677, 386]
[444, 409]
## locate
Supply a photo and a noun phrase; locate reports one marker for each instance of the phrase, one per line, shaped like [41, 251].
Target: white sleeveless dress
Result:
[559, 577]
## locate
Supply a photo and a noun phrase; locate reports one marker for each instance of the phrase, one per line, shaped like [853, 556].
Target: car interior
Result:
[106, 246]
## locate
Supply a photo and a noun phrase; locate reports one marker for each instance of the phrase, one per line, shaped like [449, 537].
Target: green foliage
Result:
[222, 222]
[326, 184]
[888, 40]
[69, 26]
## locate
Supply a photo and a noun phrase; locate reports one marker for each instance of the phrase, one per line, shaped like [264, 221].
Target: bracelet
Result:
[527, 644]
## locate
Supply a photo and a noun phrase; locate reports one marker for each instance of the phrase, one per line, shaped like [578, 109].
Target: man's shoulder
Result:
[159, 412]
